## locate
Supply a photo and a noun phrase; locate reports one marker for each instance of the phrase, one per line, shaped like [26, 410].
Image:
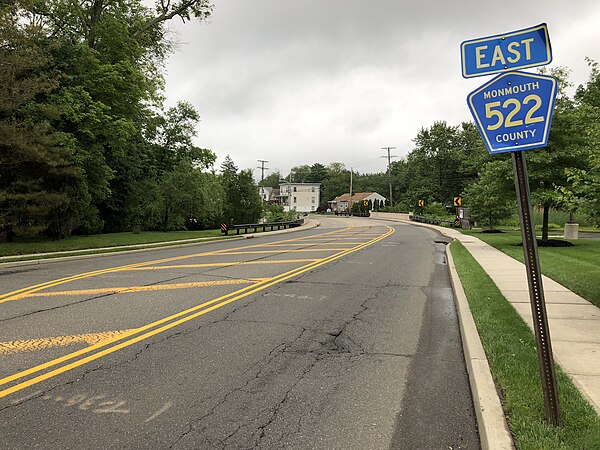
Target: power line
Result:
[262, 176]
[389, 158]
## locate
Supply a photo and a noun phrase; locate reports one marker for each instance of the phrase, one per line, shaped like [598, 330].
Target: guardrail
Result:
[433, 221]
[226, 228]
[355, 214]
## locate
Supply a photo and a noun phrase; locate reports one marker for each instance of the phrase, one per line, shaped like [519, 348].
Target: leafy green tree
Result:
[90, 72]
[175, 134]
[300, 174]
[373, 182]
[445, 159]
[242, 202]
[272, 180]
[549, 167]
[336, 183]
[39, 175]
[492, 197]
[317, 174]
[584, 190]
[191, 199]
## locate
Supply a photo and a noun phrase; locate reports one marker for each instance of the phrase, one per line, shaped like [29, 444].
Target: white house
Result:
[301, 197]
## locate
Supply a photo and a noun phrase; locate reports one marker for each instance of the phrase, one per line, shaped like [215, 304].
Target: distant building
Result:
[344, 202]
[301, 197]
[269, 194]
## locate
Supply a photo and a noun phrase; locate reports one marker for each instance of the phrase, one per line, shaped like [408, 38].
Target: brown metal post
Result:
[536, 291]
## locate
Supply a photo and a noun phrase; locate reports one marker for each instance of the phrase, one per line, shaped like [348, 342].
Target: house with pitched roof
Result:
[344, 202]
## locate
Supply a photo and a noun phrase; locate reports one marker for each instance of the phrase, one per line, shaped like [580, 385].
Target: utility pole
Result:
[389, 167]
[262, 177]
[350, 199]
[350, 182]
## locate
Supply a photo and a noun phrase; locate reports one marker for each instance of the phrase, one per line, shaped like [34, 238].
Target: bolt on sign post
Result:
[513, 113]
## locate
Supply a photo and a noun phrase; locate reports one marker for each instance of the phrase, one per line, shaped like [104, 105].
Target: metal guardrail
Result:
[355, 214]
[434, 221]
[226, 228]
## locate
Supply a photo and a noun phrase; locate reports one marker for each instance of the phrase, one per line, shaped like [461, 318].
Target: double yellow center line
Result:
[131, 337]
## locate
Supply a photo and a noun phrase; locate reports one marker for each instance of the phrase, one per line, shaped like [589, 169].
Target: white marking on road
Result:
[27, 397]
[159, 412]
[299, 297]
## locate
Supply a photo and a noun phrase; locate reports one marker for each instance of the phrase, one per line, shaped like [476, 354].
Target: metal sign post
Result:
[536, 291]
[513, 112]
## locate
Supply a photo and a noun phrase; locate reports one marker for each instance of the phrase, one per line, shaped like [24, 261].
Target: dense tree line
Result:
[85, 142]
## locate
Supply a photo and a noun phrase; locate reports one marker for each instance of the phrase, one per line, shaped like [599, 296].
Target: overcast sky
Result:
[305, 81]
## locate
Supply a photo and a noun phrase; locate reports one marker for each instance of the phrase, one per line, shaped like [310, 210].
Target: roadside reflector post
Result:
[536, 291]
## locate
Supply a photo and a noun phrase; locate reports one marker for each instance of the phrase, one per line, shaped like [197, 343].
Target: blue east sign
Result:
[520, 49]
[514, 111]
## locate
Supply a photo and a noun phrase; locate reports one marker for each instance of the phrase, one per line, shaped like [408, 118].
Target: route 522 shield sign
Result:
[514, 111]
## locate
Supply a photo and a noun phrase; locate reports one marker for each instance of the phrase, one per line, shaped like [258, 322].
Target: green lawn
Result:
[44, 245]
[510, 348]
[577, 268]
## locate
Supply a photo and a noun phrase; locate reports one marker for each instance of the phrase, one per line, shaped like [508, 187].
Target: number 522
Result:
[512, 107]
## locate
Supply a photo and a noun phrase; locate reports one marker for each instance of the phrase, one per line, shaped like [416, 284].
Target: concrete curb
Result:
[493, 429]
[309, 224]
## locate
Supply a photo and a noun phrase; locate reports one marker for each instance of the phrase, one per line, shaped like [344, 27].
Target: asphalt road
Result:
[344, 336]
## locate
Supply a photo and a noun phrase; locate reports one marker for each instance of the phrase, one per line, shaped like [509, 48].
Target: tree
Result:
[492, 197]
[317, 174]
[272, 180]
[174, 139]
[548, 168]
[39, 176]
[374, 182]
[91, 72]
[585, 182]
[445, 160]
[300, 174]
[242, 199]
[191, 199]
[336, 183]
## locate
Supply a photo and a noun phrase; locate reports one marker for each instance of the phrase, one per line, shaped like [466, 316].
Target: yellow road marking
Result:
[189, 314]
[268, 252]
[30, 345]
[154, 287]
[19, 293]
[224, 264]
[25, 292]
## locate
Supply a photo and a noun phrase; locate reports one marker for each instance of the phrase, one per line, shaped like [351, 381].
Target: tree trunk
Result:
[165, 218]
[545, 224]
[10, 234]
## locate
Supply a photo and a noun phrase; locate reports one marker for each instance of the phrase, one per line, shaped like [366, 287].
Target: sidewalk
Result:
[574, 322]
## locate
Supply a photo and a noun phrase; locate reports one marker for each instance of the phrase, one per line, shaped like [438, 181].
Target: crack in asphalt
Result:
[262, 364]
[337, 343]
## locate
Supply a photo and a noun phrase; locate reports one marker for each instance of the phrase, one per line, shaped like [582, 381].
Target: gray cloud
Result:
[334, 80]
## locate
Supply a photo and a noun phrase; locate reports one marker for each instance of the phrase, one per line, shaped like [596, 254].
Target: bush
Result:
[276, 213]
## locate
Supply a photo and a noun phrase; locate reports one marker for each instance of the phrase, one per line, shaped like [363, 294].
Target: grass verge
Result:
[577, 268]
[29, 246]
[510, 348]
